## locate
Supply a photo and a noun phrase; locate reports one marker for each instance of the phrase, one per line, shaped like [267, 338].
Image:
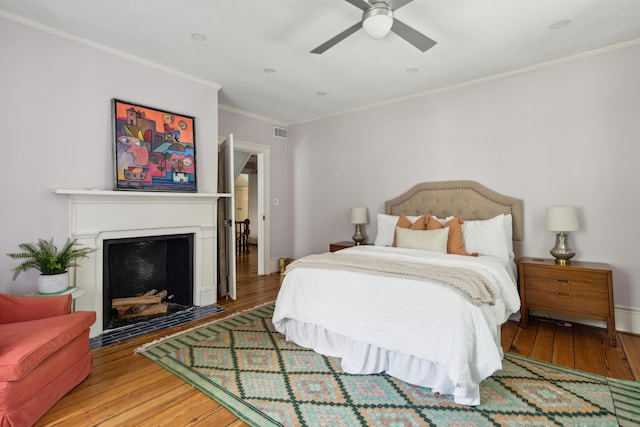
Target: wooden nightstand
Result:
[579, 289]
[341, 245]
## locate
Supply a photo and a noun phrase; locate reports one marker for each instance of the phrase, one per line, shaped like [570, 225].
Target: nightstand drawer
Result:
[572, 286]
[584, 292]
[564, 277]
[569, 301]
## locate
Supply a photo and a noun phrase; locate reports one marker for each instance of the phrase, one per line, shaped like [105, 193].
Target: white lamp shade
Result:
[359, 215]
[378, 25]
[562, 218]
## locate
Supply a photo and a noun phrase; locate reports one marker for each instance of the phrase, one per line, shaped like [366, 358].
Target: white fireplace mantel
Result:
[98, 215]
[135, 194]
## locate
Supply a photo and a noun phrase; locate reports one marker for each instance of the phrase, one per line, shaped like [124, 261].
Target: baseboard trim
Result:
[274, 266]
[627, 319]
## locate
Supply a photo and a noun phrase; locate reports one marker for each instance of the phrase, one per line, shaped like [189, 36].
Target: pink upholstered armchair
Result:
[44, 353]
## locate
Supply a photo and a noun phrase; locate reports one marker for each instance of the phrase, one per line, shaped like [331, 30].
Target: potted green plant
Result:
[52, 263]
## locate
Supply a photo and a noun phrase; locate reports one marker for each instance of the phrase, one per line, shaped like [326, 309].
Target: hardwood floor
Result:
[128, 389]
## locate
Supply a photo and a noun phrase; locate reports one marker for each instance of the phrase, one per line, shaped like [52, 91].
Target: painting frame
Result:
[153, 149]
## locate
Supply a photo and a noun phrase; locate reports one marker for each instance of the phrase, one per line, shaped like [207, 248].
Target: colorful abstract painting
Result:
[154, 150]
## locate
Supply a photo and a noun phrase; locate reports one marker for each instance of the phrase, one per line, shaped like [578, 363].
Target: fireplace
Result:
[97, 216]
[151, 265]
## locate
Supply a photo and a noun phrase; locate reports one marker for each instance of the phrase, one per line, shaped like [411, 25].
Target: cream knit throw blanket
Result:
[473, 286]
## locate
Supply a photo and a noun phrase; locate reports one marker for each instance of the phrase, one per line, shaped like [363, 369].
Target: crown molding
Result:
[251, 115]
[63, 34]
[571, 58]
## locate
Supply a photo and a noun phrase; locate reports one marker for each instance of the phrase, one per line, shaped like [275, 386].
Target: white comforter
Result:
[423, 333]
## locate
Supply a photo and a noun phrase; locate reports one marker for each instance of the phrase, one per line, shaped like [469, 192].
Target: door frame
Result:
[263, 154]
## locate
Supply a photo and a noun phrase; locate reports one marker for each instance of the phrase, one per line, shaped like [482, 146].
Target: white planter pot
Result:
[53, 283]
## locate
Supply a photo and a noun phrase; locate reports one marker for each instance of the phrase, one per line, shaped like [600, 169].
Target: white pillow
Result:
[387, 227]
[487, 237]
[427, 240]
[442, 221]
[508, 228]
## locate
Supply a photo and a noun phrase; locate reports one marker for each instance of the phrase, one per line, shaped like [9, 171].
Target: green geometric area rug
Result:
[244, 364]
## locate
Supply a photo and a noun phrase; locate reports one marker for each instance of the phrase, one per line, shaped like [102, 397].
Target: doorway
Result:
[258, 178]
[246, 217]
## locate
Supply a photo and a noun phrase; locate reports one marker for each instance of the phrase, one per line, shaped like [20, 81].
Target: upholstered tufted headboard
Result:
[467, 199]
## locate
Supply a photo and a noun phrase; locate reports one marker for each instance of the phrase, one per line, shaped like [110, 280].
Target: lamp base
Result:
[561, 251]
[358, 237]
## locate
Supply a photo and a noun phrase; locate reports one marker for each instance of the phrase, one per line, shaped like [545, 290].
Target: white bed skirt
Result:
[362, 358]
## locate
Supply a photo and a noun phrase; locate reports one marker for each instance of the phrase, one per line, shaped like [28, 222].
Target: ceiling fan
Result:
[377, 21]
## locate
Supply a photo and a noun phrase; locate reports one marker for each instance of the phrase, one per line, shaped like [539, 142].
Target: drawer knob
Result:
[564, 295]
[563, 282]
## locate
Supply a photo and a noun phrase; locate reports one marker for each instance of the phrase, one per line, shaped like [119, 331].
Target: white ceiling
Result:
[476, 39]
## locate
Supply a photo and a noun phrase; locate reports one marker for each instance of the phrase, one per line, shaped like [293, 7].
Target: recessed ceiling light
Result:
[412, 70]
[560, 24]
[269, 70]
[321, 93]
[198, 37]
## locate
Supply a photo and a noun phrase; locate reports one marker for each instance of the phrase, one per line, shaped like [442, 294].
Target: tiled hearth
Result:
[128, 332]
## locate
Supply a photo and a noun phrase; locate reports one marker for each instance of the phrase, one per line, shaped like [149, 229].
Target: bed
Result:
[423, 331]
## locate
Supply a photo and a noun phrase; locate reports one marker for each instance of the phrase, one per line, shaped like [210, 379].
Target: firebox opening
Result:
[135, 266]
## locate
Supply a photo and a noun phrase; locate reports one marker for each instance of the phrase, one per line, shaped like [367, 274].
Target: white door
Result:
[226, 150]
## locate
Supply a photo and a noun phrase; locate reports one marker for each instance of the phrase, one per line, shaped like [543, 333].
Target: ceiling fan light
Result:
[377, 22]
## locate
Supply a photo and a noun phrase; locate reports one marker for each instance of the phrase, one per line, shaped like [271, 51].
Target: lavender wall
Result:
[564, 134]
[55, 117]
[259, 131]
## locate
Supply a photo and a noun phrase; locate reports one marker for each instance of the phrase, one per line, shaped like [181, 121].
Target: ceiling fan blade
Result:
[337, 39]
[419, 40]
[360, 4]
[397, 4]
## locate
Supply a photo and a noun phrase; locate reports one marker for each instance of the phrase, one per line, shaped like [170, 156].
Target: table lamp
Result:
[562, 219]
[358, 217]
